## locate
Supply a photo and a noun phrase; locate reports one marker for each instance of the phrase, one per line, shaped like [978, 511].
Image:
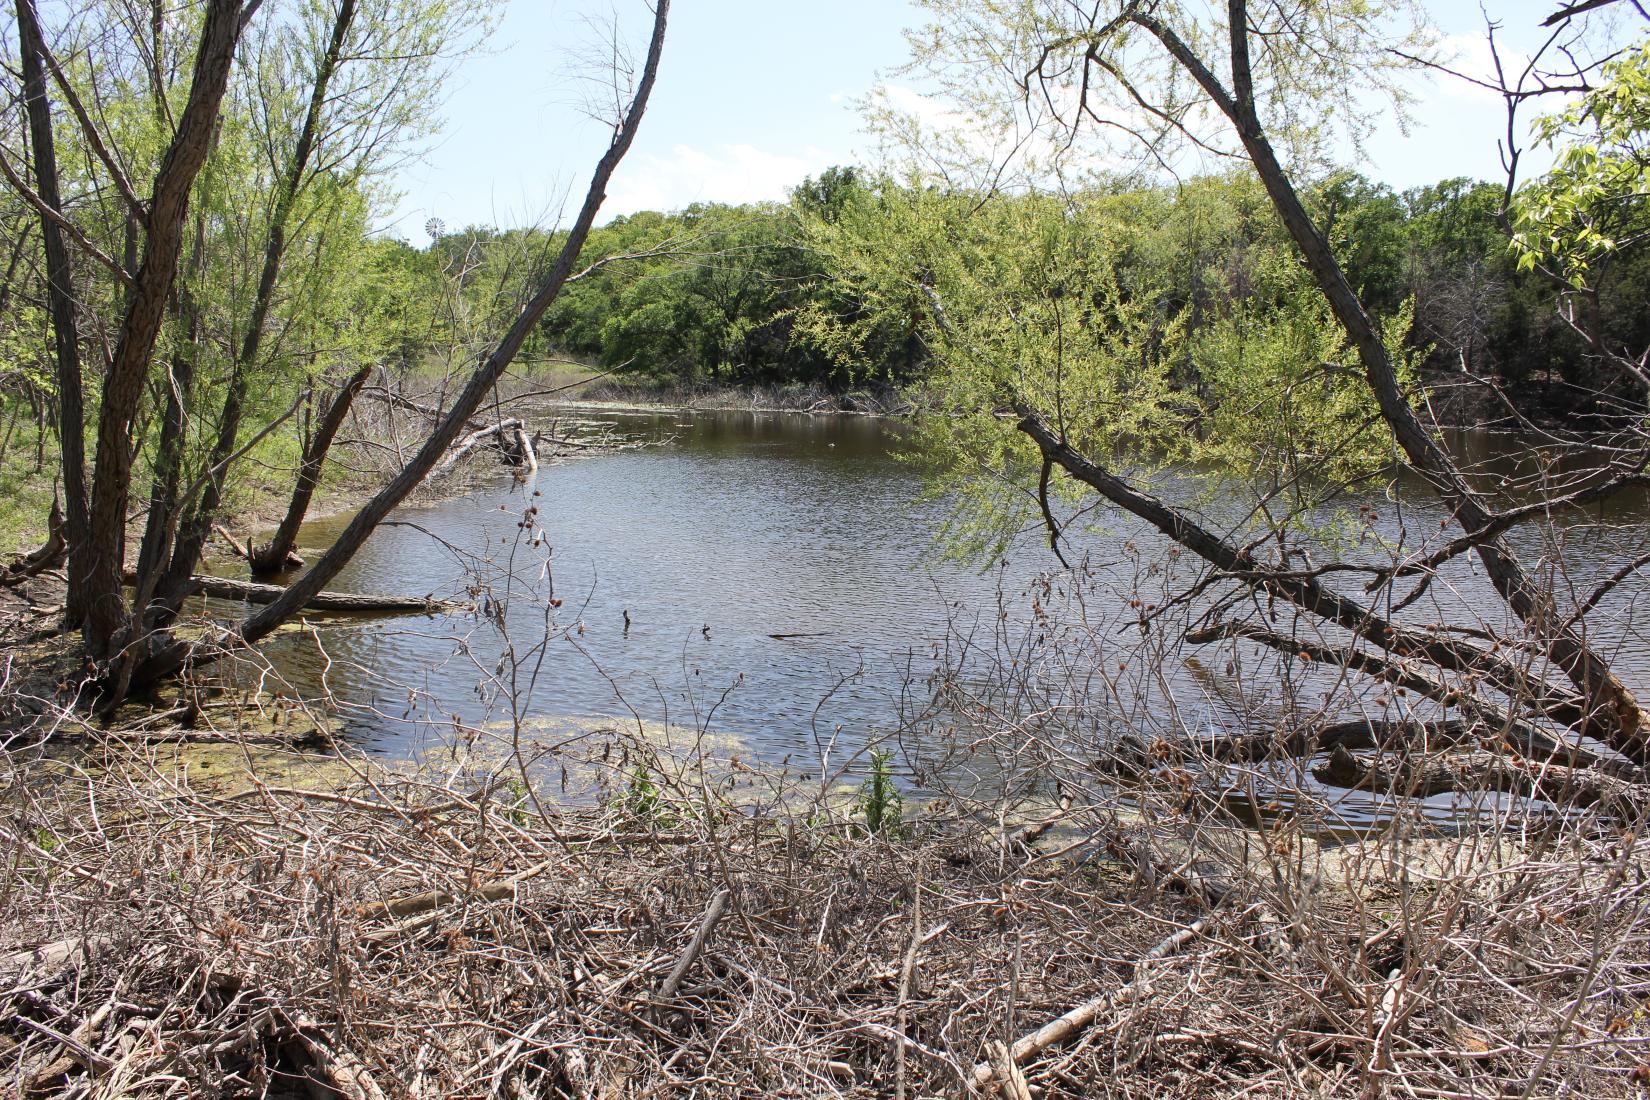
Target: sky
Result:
[755, 95]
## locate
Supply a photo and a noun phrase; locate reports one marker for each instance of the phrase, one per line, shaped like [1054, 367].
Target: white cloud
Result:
[723, 173]
[1470, 56]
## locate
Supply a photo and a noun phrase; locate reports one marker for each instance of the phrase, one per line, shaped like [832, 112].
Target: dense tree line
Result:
[736, 295]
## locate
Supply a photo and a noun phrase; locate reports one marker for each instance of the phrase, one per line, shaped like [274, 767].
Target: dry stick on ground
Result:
[713, 913]
[1063, 1027]
[907, 971]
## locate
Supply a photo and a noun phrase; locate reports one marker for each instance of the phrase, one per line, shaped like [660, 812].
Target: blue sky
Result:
[753, 96]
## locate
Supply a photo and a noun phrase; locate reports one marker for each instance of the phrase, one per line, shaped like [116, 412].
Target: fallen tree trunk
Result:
[1571, 788]
[47, 557]
[224, 588]
[1407, 736]
[503, 435]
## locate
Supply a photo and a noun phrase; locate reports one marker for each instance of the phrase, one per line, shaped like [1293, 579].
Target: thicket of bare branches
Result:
[685, 924]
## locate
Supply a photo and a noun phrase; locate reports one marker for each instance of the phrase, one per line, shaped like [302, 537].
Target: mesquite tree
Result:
[164, 661]
[257, 131]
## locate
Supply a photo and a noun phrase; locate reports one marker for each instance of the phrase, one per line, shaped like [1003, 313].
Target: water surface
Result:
[772, 578]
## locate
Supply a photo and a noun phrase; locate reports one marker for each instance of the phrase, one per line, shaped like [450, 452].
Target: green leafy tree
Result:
[1586, 222]
[1077, 377]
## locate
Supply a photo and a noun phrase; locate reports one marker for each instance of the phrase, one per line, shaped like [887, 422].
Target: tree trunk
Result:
[277, 554]
[168, 471]
[192, 541]
[71, 415]
[106, 618]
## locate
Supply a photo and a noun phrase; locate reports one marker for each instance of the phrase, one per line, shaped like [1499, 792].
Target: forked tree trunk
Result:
[106, 617]
[278, 553]
[257, 626]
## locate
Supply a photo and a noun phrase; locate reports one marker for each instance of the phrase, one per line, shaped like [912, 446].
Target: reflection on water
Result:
[768, 576]
[769, 568]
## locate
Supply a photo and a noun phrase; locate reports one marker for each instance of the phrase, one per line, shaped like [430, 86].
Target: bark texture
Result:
[106, 619]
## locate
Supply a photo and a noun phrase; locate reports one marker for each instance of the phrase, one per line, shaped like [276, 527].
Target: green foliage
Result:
[1594, 204]
[1158, 326]
[336, 299]
[712, 292]
[878, 800]
[642, 801]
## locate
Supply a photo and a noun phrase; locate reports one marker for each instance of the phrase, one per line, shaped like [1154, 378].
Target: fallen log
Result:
[501, 435]
[1571, 788]
[224, 588]
[49, 556]
[1380, 735]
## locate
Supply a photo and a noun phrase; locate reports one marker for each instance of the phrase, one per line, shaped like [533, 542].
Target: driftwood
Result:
[341, 1073]
[1132, 756]
[1021, 839]
[526, 455]
[48, 556]
[432, 899]
[713, 913]
[1579, 788]
[224, 588]
[20, 967]
[509, 436]
[240, 548]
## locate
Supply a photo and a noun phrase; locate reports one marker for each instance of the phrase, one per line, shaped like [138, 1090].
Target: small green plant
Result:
[518, 798]
[642, 798]
[879, 799]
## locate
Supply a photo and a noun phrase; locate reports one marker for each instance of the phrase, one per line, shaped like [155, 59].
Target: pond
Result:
[772, 579]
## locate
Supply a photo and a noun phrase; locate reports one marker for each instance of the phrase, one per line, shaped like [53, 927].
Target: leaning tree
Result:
[1053, 359]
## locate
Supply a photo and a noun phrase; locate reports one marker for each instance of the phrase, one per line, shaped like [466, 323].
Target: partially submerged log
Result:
[509, 436]
[1571, 788]
[1378, 735]
[224, 588]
